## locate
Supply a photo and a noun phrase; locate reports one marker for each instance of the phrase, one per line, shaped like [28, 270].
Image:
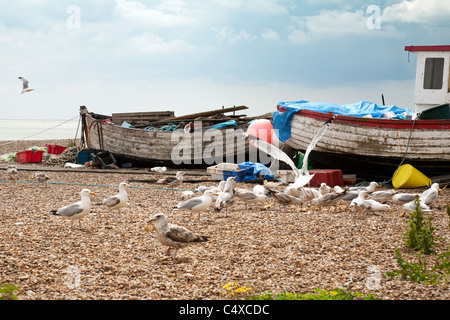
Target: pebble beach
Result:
[278, 249]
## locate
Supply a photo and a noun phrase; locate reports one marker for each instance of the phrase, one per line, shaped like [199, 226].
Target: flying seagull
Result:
[171, 235]
[25, 86]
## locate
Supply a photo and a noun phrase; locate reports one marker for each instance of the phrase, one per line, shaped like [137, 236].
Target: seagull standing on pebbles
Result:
[11, 170]
[429, 196]
[250, 196]
[24, 86]
[402, 198]
[371, 188]
[197, 204]
[381, 196]
[119, 200]
[159, 169]
[170, 235]
[41, 177]
[77, 210]
[172, 181]
[226, 198]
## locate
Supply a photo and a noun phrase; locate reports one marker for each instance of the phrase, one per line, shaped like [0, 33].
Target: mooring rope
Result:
[35, 134]
[97, 185]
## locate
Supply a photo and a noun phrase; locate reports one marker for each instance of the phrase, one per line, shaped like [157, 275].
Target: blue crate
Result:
[240, 175]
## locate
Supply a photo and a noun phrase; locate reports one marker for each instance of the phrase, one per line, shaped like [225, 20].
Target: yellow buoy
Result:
[408, 177]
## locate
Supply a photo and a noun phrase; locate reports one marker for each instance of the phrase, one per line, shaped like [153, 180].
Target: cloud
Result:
[270, 35]
[165, 15]
[417, 11]
[326, 24]
[153, 44]
[264, 7]
[228, 34]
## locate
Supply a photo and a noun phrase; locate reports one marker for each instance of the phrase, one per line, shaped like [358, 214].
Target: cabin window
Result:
[434, 73]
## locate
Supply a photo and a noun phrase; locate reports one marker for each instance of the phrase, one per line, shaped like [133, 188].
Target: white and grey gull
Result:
[77, 210]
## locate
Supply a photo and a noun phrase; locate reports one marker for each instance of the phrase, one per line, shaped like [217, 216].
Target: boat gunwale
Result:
[400, 124]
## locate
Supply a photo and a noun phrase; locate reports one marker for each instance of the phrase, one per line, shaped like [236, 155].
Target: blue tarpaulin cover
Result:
[282, 120]
[259, 171]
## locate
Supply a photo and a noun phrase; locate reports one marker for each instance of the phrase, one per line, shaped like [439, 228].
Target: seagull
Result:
[119, 200]
[159, 169]
[359, 201]
[291, 190]
[197, 204]
[11, 170]
[373, 205]
[188, 194]
[77, 210]
[411, 206]
[328, 199]
[226, 198]
[41, 177]
[25, 86]
[381, 196]
[284, 199]
[173, 236]
[214, 189]
[324, 188]
[430, 195]
[371, 188]
[250, 196]
[402, 198]
[311, 193]
[172, 181]
[259, 189]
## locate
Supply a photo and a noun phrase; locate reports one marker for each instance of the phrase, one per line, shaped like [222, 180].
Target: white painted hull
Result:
[381, 142]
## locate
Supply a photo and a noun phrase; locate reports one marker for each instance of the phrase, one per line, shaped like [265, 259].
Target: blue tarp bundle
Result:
[259, 171]
[222, 125]
[282, 120]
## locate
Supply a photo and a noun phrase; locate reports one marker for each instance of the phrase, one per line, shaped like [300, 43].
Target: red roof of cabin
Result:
[428, 48]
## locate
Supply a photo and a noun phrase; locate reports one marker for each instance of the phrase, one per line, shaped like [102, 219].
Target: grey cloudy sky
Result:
[190, 55]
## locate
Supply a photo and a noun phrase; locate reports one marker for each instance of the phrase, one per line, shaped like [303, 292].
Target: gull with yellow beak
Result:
[77, 210]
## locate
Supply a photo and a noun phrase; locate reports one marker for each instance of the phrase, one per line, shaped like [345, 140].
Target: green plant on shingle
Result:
[7, 292]
[418, 272]
[420, 235]
[448, 213]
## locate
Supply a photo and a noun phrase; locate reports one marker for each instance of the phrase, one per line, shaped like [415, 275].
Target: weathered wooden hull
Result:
[173, 149]
[373, 148]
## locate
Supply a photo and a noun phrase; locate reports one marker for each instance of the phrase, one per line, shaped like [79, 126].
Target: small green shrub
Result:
[7, 292]
[420, 235]
[418, 272]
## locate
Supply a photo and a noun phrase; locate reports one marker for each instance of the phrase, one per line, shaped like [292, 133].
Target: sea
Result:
[39, 129]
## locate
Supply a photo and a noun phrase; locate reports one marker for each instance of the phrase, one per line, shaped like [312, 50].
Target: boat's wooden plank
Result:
[141, 118]
[370, 141]
[208, 113]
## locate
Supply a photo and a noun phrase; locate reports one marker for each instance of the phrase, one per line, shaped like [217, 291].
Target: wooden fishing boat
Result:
[373, 148]
[195, 148]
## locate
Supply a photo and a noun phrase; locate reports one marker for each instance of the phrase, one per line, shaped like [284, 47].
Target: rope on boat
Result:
[406, 152]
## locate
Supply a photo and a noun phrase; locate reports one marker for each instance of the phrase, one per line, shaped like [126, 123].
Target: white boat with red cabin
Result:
[373, 148]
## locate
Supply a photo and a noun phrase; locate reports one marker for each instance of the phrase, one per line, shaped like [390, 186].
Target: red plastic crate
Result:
[332, 177]
[55, 149]
[29, 156]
